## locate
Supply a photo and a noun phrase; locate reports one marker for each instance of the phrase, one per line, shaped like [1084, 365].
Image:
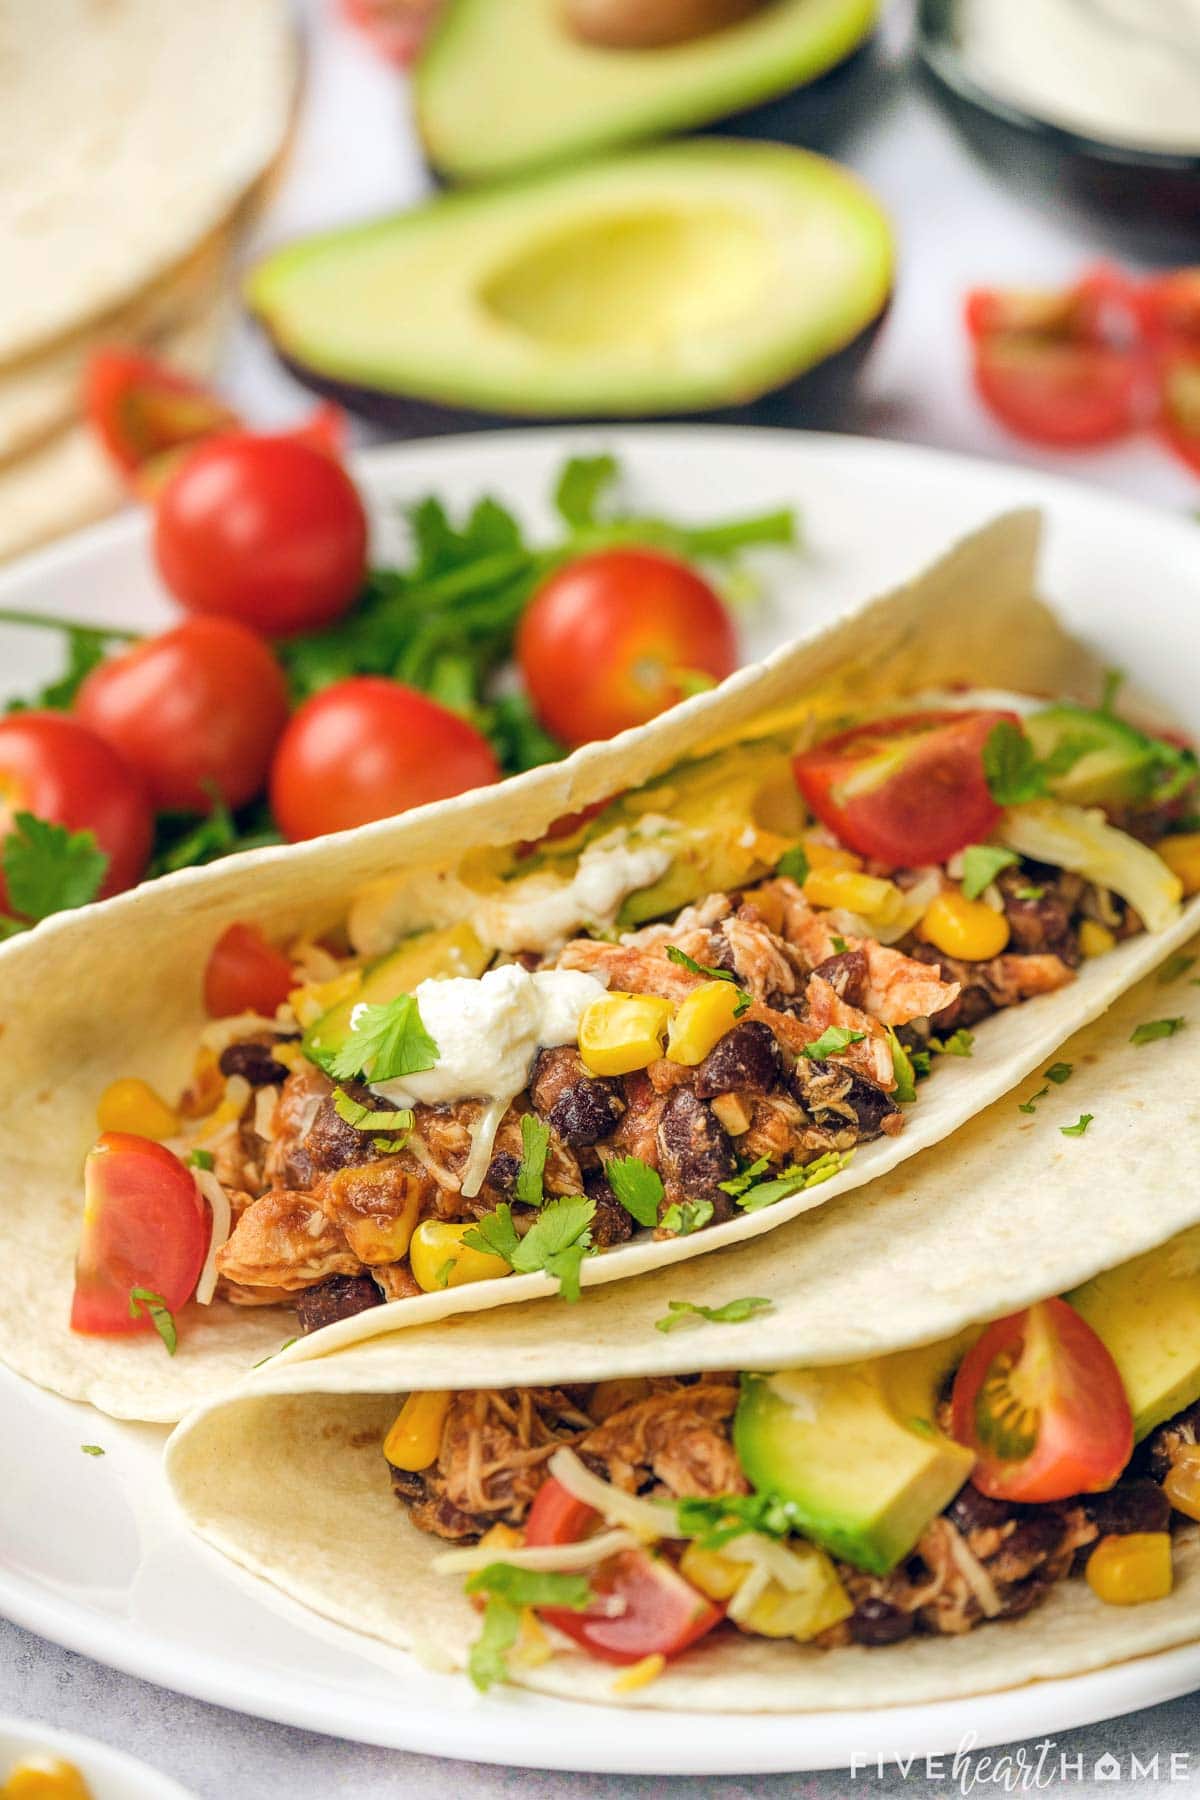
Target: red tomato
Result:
[368, 748]
[268, 530]
[204, 703]
[55, 767]
[1068, 395]
[245, 974]
[396, 28]
[612, 638]
[144, 1225]
[142, 410]
[1179, 422]
[1101, 307]
[1040, 1402]
[1169, 308]
[904, 791]
[658, 1612]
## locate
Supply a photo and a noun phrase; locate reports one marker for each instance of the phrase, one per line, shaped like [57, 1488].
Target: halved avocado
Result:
[676, 280]
[502, 88]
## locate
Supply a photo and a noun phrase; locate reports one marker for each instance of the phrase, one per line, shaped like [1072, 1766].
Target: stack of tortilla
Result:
[137, 138]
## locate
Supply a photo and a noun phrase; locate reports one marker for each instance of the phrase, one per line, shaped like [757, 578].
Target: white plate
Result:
[110, 1774]
[91, 1555]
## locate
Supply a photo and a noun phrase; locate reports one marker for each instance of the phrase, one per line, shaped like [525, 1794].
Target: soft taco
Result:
[939, 1439]
[655, 999]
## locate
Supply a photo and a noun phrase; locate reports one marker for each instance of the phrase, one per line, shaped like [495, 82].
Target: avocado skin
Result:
[816, 400]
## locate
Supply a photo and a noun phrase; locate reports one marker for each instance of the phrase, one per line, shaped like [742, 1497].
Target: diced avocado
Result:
[454, 950]
[1147, 1314]
[673, 280]
[855, 1451]
[502, 87]
[1104, 760]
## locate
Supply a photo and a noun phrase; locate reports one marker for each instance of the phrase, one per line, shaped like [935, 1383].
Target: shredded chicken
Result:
[677, 1440]
[284, 1241]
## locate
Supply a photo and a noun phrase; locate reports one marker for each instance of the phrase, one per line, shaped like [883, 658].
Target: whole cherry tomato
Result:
[197, 709]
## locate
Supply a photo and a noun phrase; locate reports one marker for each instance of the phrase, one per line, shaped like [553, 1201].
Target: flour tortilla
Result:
[132, 130]
[116, 990]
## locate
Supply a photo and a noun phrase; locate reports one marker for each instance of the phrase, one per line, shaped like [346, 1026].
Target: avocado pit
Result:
[652, 24]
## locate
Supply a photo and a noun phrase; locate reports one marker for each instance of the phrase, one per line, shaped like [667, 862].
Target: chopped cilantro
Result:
[716, 1521]
[1059, 1072]
[981, 865]
[1010, 765]
[91, 1449]
[387, 1146]
[581, 486]
[441, 1276]
[1114, 681]
[794, 1180]
[535, 1143]
[1031, 892]
[286, 1345]
[905, 1090]
[145, 1300]
[1030, 1105]
[685, 1216]
[200, 1159]
[637, 1186]
[832, 1041]
[384, 1042]
[1152, 1029]
[922, 1063]
[366, 1118]
[48, 868]
[794, 863]
[737, 1184]
[745, 1000]
[1080, 1126]
[734, 1312]
[839, 944]
[557, 1241]
[1174, 967]
[959, 1043]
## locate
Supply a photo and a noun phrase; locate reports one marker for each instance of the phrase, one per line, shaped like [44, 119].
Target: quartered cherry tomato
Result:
[198, 708]
[144, 1226]
[1041, 1403]
[146, 412]
[266, 530]
[1169, 308]
[1179, 392]
[367, 748]
[656, 1610]
[904, 791]
[616, 637]
[54, 767]
[396, 28]
[245, 974]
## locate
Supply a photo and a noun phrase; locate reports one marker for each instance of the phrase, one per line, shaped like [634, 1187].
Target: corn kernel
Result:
[1127, 1571]
[1182, 1485]
[314, 999]
[1182, 856]
[379, 1206]
[45, 1778]
[291, 1055]
[704, 1017]
[416, 1435]
[1095, 939]
[731, 1111]
[206, 1087]
[965, 928]
[619, 1033]
[501, 1537]
[869, 895]
[133, 1105]
[716, 1575]
[640, 1674]
[801, 1613]
[828, 856]
[439, 1259]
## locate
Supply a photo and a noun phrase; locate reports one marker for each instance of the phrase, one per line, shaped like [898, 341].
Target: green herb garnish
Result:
[794, 1180]
[146, 1301]
[92, 1449]
[905, 1074]
[1010, 765]
[509, 1589]
[271, 1354]
[637, 1186]
[200, 1159]
[1174, 967]
[535, 1144]
[48, 869]
[737, 1184]
[832, 1041]
[959, 1043]
[715, 1522]
[557, 1241]
[1030, 1105]
[1059, 1072]
[794, 863]
[734, 1312]
[1153, 1029]
[745, 1000]
[1080, 1126]
[366, 1118]
[384, 1042]
[685, 1216]
[981, 865]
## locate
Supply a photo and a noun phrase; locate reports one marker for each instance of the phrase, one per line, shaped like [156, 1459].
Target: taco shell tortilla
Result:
[115, 990]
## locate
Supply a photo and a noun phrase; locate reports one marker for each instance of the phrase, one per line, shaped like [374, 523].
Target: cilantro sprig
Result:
[557, 1241]
[684, 961]
[734, 1312]
[384, 1042]
[981, 865]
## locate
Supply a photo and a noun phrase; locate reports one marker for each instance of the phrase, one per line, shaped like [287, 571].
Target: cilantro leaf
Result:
[200, 1159]
[487, 1660]
[1079, 1127]
[1030, 1105]
[1152, 1029]
[637, 1186]
[839, 944]
[1059, 1072]
[581, 486]
[905, 1090]
[92, 1449]
[959, 1043]
[441, 1275]
[1174, 967]
[48, 869]
[1010, 766]
[384, 1042]
[685, 1216]
[794, 863]
[716, 1521]
[793, 1180]
[557, 1241]
[1031, 892]
[145, 1300]
[366, 1118]
[734, 1312]
[832, 1041]
[271, 1354]
[495, 1234]
[531, 1587]
[675, 955]
[737, 1184]
[535, 1143]
[981, 865]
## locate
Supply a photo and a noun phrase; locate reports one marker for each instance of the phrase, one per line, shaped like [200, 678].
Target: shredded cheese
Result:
[266, 1099]
[640, 1674]
[974, 1574]
[650, 1519]
[545, 1557]
[222, 1222]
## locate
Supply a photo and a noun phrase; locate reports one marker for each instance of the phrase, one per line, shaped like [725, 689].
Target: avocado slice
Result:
[1147, 1314]
[503, 88]
[1107, 761]
[855, 1450]
[454, 950]
[675, 280]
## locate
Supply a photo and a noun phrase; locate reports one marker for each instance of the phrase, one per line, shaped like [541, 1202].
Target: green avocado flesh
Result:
[1147, 1313]
[1109, 762]
[504, 85]
[430, 955]
[674, 280]
[855, 1450]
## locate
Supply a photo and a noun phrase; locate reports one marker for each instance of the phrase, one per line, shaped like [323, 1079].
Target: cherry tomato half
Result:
[1066, 395]
[245, 974]
[396, 28]
[1040, 1402]
[615, 637]
[1101, 307]
[658, 1612]
[904, 791]
[1169, 309]
[144, 1225]
[54, 767]
[1179, 420]
[145, 412]
[367, 748]
[202, 704]
[267, 530]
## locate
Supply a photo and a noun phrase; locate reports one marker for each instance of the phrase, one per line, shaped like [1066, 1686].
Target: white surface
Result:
[957, 225]
[89, 1552]
[110, 1774]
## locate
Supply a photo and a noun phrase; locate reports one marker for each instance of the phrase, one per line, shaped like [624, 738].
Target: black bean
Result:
[694, 1150]
[254, 1062]
[828, 1089]
[846, 974]
[878, 1622]
[747, 1058]
[340, 1297]
[586, 1111]
[503, 1171]
[1131, 1506]
[972, 1511]
[611, 1224]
